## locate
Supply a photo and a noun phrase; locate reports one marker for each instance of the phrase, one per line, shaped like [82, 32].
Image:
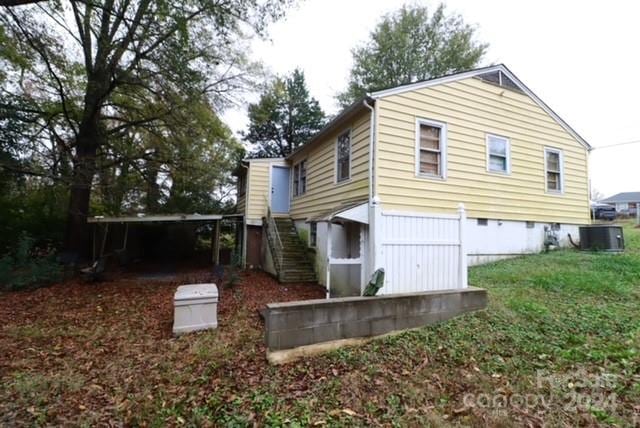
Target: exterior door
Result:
[280, 190]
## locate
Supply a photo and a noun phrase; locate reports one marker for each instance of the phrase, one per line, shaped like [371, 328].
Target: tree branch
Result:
[11, 3]
[45, 58]
[83, 23]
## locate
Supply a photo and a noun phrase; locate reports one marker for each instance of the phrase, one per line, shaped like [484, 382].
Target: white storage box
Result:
[195, 308]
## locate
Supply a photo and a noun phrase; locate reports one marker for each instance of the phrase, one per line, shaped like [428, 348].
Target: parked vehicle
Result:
[603, 212]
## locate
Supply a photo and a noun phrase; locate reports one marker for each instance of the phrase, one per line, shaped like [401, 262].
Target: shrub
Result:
[28, 266]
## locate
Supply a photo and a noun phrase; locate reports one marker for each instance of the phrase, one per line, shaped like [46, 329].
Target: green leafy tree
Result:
[86, 62]
[285, 117]
[411, 45]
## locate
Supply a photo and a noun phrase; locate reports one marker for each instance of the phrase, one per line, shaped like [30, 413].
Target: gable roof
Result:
[501, 68]
[623, 197]
[486, 73]
[342, 117]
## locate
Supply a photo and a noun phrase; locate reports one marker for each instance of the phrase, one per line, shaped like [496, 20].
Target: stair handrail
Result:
[271, 226]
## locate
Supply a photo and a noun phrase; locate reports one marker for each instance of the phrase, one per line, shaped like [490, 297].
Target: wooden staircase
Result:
[289, 251]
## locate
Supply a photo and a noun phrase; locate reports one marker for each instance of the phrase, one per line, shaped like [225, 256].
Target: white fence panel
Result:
[423, 252]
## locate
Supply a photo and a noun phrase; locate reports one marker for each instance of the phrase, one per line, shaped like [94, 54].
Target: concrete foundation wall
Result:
[293, 324]
[501, 239]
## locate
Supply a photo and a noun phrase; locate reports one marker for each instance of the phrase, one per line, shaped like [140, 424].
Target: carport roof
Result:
[166, 218]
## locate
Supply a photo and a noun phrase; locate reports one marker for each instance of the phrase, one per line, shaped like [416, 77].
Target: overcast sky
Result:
[582, 58]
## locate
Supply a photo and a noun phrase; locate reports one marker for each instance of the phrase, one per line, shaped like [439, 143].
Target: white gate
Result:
[422, 252]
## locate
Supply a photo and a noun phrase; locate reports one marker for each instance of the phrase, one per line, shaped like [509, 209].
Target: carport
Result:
[103, 229]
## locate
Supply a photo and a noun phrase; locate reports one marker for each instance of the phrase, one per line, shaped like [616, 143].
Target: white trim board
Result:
[560, 154]
[467, 74]
[507, 141]
[349, 131]
[443, 149]
[265, 160]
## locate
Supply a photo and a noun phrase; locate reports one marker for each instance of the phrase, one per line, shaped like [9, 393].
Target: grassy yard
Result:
[558, 345]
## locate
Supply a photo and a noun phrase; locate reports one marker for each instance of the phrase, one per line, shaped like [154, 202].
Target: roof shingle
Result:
[623, 197]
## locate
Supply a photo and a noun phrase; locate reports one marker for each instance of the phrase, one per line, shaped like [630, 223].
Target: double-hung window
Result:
[313, 234]
[343, 157]
[554, 175]
[498, 154]
[300, 178]
[431, 149]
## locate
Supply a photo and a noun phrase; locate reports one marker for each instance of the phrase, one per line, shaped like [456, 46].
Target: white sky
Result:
[581, 57]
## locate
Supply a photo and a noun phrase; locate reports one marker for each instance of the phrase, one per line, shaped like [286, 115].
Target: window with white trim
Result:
[313, 234]
[300, 178]
[343, 157]
[498, 154]
[553, 170]
[431, 148]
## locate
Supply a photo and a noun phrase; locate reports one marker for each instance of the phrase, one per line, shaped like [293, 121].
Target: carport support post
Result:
[104, 239]
[215, 242]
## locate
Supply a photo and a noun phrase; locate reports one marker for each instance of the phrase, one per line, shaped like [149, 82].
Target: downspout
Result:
[374, 208]
[244, 218]
[372, 139]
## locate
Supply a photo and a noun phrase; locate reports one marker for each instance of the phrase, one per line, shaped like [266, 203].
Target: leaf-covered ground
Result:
[557, 346]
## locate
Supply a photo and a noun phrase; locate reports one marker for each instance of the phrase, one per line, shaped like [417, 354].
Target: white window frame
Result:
[335, 175]
[296, 190]
[507, 152]
[311, 225]
[443, 149]
[548, 150]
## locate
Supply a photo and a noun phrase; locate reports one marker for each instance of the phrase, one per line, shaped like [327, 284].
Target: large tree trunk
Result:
[76, 237]
[88, 140]
[76, 233]
[153, 189]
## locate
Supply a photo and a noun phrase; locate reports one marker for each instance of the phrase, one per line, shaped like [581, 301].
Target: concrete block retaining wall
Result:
[293, 324]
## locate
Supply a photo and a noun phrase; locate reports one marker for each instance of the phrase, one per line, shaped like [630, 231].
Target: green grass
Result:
[560, 325]
[563, 315]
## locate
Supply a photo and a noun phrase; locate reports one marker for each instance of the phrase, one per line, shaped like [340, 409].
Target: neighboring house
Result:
[626, 203]
[381, 185]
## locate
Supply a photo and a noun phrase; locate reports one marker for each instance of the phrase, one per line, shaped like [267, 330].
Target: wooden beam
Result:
[215, 242]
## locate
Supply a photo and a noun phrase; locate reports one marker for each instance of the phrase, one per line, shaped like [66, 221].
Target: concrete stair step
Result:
[295, 265]
[286, 278]
[298, 271]
[295, 257]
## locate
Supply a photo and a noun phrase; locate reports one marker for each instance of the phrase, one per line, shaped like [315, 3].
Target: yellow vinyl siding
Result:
[323, 193]
[257, 190]
[472, 109]
[241, 204]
